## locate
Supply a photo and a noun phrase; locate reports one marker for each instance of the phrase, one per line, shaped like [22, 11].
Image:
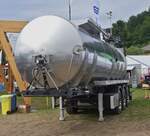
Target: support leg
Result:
[61, 116]
[100, 106]
[53, 102]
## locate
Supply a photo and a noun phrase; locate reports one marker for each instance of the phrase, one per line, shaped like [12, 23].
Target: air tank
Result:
[73, 56]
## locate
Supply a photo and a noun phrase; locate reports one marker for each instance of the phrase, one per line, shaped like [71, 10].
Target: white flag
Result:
[96, 10]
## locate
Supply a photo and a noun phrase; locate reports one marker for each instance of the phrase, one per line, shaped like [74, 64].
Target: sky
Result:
[30, 9]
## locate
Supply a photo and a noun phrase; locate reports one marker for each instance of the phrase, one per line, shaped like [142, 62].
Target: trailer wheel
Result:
[71, 107]
[71, 110]
[127, 96]
[130, 94]
[118, 109]
[122, 98]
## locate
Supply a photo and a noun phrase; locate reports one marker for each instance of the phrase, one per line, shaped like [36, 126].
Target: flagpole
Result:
[110, 19]
[70, 10]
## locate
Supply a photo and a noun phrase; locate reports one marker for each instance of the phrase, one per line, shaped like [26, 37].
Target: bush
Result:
[134, 51]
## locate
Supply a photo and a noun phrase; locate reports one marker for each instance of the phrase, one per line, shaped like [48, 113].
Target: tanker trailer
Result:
[61, 59]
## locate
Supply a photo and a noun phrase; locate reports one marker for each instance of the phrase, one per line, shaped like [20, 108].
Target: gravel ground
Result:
[134, 121]
[47, 124]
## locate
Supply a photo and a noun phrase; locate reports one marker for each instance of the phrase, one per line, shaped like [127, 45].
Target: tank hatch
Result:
[91, 27]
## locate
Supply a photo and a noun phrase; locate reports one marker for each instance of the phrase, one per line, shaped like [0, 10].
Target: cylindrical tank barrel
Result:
[73, 56]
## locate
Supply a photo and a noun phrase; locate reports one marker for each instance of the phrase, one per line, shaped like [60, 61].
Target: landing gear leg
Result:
[61, 103]
[53, 103]
[100, 106]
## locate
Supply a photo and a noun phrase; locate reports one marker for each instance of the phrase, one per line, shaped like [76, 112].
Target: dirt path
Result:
[47, 124]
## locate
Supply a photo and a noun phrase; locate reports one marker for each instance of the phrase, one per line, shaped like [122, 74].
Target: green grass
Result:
[3, 93]
[139, 108]
[38, 103]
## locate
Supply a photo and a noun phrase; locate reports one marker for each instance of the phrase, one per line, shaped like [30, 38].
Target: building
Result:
[146, 49]
[137, 67]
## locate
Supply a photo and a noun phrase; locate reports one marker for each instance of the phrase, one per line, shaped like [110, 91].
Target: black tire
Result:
[119, 109]
[127, 97]
[126, 102]
[130, 96]
[71, 110]
[122, 99]
[71, 107]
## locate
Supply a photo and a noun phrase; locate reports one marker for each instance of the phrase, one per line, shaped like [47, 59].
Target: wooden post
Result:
[14, 27]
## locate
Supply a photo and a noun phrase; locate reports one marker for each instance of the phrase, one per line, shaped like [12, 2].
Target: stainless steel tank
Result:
[74, 57]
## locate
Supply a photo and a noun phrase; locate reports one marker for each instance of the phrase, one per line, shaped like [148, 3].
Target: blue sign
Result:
[96, 10]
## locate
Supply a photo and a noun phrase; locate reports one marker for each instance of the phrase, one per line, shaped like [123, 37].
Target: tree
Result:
[135, 32]
[145, 30]
[120, 30]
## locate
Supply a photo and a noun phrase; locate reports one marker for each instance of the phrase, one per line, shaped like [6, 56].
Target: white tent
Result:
[142, 60]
